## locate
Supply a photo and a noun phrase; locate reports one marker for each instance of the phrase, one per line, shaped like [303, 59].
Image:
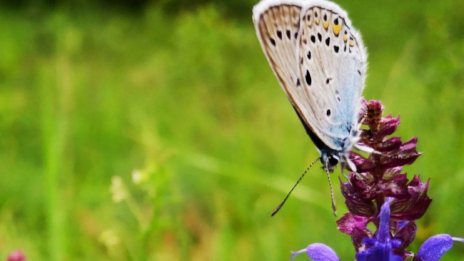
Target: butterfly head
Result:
[330, 158]
[329, 161]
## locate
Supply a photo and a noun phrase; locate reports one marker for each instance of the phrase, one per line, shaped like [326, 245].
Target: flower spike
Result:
[378, 192]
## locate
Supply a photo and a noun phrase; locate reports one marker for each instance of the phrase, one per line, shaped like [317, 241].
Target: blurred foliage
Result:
[237, 8]
[179, 94]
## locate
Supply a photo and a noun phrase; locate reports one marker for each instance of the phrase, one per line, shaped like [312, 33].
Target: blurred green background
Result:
[155, 130]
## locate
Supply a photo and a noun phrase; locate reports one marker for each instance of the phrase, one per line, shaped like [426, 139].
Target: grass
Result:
[190, 102]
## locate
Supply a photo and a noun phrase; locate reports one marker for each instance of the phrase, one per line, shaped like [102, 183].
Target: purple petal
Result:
[373, 112]
[405, 233]
[393, 186]
[349, 222]
[355, 226]
[387, 126]
[317, 252]
[362, 164]
[414, 203]
[379, 253]
[381, 247]
[383, 232]
[389, 144]
[434, 248]
[357, 202]
[410, 145]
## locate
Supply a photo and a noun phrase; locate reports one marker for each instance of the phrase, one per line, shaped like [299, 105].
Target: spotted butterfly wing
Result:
[320, 62]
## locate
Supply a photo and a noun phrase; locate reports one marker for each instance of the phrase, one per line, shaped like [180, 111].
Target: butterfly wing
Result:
[303, 64]
[333, 65]
[277, 25]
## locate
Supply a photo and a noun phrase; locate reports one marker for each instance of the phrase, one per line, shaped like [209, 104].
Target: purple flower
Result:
[435, 247]
[317, 252]
[382, 246]
[380, 175]
[379, 192]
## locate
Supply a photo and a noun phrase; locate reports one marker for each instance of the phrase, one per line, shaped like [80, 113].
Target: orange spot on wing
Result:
[336, 29]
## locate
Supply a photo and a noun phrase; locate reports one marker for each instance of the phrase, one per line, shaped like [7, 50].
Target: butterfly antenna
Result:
[342, 168]
[334, 208]
[277, 209]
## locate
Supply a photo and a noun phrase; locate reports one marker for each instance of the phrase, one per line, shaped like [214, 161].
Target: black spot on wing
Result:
[279, 34]
[336, 48]
[327, 41]
[273, 42]
[308, 78]
[319, 37]
[313, 38]
[289, 34]
[309, 55]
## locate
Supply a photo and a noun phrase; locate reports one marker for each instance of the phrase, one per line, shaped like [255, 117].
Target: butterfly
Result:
[320, 62]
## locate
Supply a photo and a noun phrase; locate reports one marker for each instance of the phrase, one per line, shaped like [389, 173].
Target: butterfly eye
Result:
[332, 161]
